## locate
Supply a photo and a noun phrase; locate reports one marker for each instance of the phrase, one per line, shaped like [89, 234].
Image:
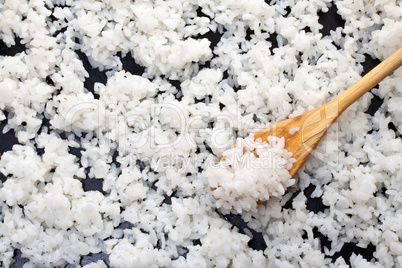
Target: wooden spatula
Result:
[313, 124]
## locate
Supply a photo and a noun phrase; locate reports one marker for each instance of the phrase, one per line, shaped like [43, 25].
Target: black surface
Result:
[11, 50]
[95, 75]
[19, 260]
[369, 64]
[289, 203]
[197, 242]
[273, 39]
[330, 20]
[257, 242]
[213, 36]
[347, 250]
[125, 225]
[76, 151]
[8, 140]
[95, 258]
[130, 65]
[314, 204]
[93, 185]
[375, 104]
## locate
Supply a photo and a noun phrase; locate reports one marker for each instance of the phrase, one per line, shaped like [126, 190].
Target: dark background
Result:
[330, 20]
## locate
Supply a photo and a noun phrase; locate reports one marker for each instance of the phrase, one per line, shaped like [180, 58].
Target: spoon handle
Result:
[367, 82]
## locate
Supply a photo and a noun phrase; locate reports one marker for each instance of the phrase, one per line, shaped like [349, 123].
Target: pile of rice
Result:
[145, 132]
[250, 173]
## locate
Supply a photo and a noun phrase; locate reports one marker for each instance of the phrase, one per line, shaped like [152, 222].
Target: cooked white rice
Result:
[251, 172]
[293, 130]
[162, 137]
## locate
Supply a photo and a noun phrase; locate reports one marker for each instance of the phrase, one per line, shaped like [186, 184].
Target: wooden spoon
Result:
[313, 124]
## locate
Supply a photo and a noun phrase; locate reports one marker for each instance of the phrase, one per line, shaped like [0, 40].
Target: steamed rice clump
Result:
[142, 130]
[252, 171]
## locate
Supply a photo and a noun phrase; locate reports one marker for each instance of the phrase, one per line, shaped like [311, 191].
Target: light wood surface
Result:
[315, 123]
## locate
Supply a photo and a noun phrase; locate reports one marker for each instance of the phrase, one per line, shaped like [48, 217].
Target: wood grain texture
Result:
[315, 123]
